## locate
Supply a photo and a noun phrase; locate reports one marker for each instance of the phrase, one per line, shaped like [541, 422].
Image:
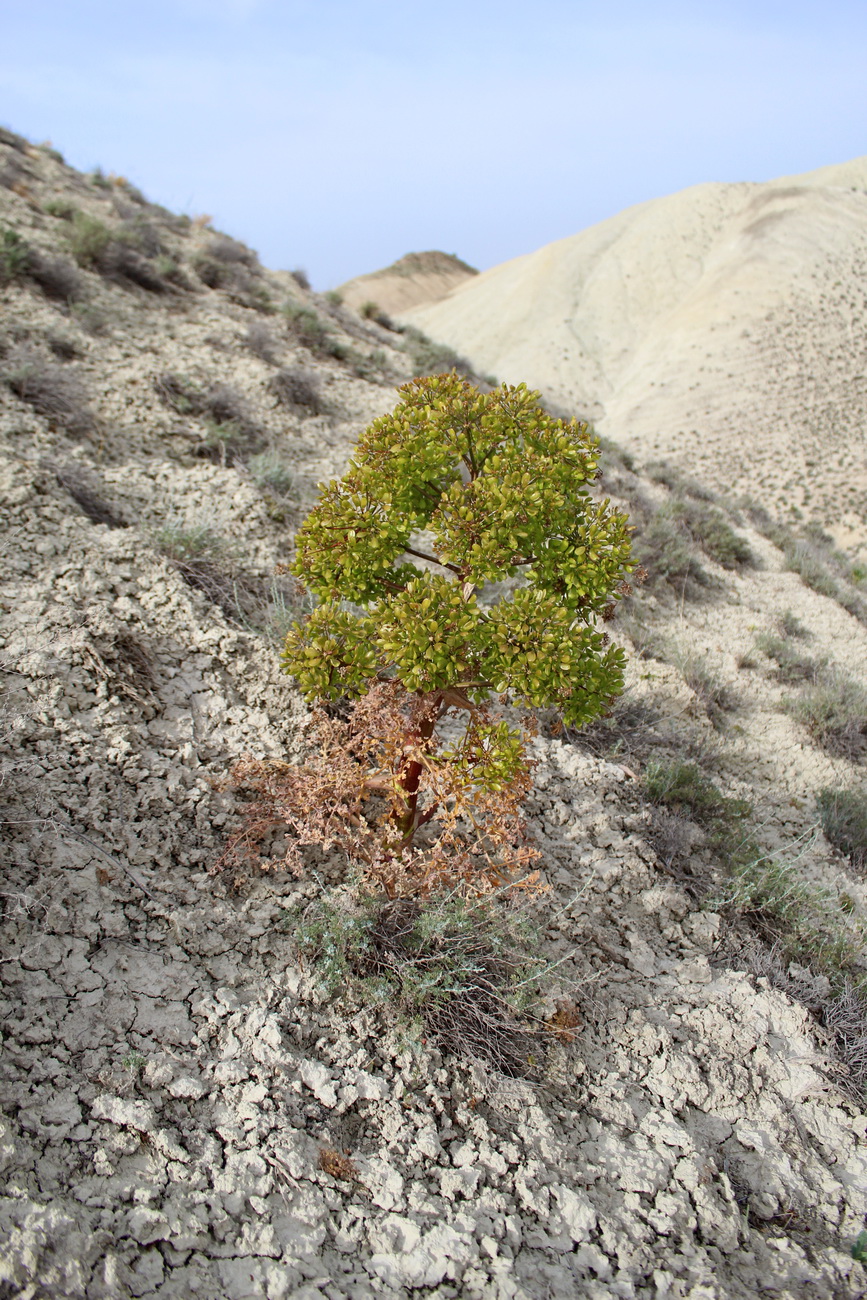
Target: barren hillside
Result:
[184, 1111]
[723, 328]
[411, 280]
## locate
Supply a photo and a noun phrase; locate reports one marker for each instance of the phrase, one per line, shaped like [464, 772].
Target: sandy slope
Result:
[411, 280]
[724, 327]
[170, 1074]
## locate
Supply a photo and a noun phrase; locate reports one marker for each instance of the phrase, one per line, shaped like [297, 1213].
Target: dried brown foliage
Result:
[337, 1165]
[379, 787]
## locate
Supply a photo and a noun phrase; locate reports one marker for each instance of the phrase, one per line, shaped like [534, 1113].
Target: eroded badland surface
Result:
[170, 1073]
[723, 328]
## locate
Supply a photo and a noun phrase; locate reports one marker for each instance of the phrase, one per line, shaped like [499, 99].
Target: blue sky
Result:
[336, 136]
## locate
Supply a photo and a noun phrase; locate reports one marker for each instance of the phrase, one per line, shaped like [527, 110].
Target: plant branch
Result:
[431, 559]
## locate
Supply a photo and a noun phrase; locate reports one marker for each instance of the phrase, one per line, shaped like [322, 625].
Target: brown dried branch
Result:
[377, 787]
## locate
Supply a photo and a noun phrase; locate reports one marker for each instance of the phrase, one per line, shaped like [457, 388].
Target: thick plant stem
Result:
[410, 781]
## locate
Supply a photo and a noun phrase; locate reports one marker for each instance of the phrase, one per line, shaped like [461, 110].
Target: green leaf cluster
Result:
[453, 490]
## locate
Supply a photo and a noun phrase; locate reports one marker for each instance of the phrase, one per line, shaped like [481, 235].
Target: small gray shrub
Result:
[54, 392]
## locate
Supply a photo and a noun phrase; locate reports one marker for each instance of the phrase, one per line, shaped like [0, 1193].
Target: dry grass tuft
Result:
[54, 392]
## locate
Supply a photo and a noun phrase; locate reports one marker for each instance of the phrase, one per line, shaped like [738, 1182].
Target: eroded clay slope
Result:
[411, 280]
[724, 327]
[170, 1073]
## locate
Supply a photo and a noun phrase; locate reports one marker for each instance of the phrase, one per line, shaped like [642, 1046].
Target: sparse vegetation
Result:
[89, 240]
[84, 491]
[293, 386]
[205, 561]
[714, 696]
[227, 264]
[56, 277]
[834, 710]
[843, 815]
[683, 788]
[429, 358]
[372, 311]
[709, 529]
[53, 391]
[810, 923]
[261, 342]
[312, 332]
[231, 432]
[458, 972]
[824, 570]
[792, 665]
[669, 557]
[268, 469]
[60, 208]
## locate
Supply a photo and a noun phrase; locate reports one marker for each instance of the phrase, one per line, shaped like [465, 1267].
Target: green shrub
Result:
[14, 256]
[457, 972]
[843, 814]
[452, 491]
[683, 788]
[89, 240]
[503, 488]
[834, 711]
[60, 208]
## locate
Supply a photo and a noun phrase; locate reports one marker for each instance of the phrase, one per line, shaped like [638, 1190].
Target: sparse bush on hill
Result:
[792, 665]
[231, 432]
[56, 277]
[429, 358]
[293, 386]
[834, 711]
[456, 971]
[227, 264]
[261, 342]
[820, 567]
[450, 492]
[60, 208]
[843, 814]
[709, 529]
[312, 332]
[124, 255]
[268, 469]
[669, 557]
[83, 489]
[372, 311]
[53, 391]
[205, 561]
